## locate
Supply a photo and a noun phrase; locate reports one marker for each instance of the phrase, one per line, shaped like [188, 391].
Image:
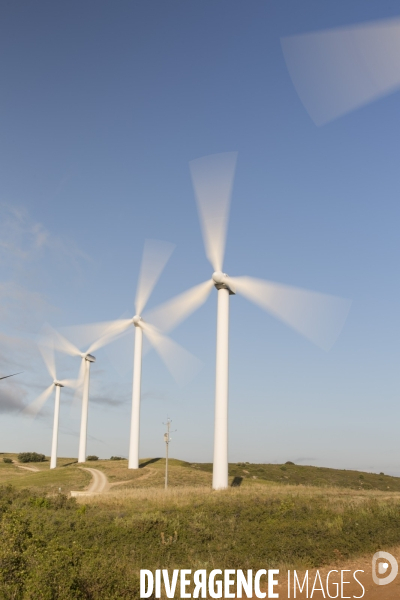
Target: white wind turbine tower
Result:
[178, 360]
[105, 333]
[318, 317]
[34, 408]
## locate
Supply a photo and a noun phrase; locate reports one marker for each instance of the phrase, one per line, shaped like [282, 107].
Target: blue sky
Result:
[103, 105]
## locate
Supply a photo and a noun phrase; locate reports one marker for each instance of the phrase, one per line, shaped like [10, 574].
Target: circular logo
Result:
[383, 567]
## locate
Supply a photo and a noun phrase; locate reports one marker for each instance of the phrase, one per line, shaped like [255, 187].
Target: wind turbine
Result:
[105, 333]
[335, 71]
[155, 256]
[34, 408]
[318, 317]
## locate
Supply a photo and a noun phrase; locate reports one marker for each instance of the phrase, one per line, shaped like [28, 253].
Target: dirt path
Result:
[148, 473]
[98, 485]
[33, 469]
[121, 482]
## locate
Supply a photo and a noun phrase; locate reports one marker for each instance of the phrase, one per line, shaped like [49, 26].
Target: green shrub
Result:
[117, 458]
[7, 460]
[289, 462]
[92, 457]
[26, 457]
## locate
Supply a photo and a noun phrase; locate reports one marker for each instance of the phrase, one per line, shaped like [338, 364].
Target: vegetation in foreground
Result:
[276, 516]
[53, 547]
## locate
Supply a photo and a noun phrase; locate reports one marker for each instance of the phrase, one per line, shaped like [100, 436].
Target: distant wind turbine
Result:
[318, 317]
[178, 360]
[106, 332]
[34, 408]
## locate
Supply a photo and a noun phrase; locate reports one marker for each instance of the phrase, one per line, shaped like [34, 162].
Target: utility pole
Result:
[167, 440]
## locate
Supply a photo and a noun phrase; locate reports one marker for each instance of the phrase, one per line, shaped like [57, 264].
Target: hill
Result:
[93, 547]
[68, 476]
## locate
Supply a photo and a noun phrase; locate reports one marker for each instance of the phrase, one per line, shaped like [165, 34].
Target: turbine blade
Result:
[319, 317]
[168, 315]
[182, 365]
[78, 385]
[47, 352]
[75, 383]
[338, 70]
[155, 256]
[110, 332]
[13, 375]
[69, 383]
[35, 406]
[59, 342]
[212, 178]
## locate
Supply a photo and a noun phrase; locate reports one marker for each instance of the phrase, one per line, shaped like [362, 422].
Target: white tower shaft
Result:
[135, 416]
[84, 416]
[53, 459]
[220, 469]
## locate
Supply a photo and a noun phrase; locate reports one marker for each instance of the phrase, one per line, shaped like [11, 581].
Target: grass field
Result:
[295, 517]
[69, 476]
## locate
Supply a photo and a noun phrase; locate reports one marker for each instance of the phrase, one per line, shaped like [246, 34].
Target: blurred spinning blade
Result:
[47, 352]
[155, 256]
[182, 365]
[168, 315]
[338, 70]
[212, 178]
[78, 382]
[110, 331]
[319, 317]
[34, 408]
[7, 376]
[54, 339]
[78, 385]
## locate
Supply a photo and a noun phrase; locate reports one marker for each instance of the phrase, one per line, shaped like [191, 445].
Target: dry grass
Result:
[332, 497]
[66, 476]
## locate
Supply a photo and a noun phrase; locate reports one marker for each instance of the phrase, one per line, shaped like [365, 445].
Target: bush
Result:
[289, 462]
[7, 460]
[26, 457]
[92, 457]
[117, 458]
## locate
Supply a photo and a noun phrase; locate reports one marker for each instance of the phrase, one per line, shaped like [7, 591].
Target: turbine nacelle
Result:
[88, 357]
[58, 383]
[136, 320]
[221, 281]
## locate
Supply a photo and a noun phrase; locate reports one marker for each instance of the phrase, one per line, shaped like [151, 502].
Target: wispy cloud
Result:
[21, 309]
[156, 395]
[24, 241]
[108, 400]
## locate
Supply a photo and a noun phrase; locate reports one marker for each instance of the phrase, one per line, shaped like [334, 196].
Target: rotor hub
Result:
[90, 358]
[57, 383]
[219, 277]
[136, 320]
[221, 281]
